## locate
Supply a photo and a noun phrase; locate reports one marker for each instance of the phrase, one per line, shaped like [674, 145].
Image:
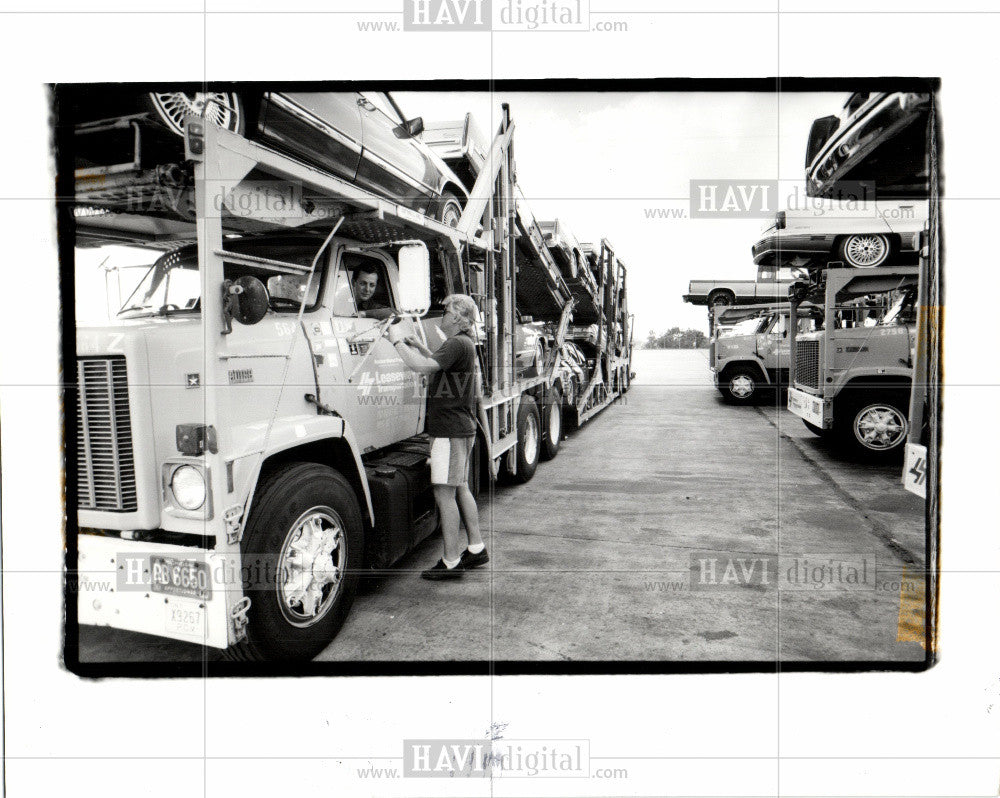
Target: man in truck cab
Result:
[454, 397]
[365, 285]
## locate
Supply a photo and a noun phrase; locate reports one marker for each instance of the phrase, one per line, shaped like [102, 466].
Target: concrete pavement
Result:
[672, 527]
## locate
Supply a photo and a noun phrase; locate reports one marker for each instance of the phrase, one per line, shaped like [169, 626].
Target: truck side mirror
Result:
[414, 279]
[244, 299]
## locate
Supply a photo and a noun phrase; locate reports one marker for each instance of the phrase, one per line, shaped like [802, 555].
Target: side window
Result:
[780, 326]
[287, 289]
[362, 287]
[807, 324]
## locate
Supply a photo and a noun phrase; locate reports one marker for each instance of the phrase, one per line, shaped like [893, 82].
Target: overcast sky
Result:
[601, 161]
[598, 161]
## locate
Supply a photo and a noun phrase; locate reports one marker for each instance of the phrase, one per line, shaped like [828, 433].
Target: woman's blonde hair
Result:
[464, 306]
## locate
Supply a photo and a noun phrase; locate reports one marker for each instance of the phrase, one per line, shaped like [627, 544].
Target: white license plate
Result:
[915, 471]
[180, 577]
[184, 620]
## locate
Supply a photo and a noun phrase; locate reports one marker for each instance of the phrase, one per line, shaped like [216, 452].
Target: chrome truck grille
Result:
[807, 363]
[104, 436]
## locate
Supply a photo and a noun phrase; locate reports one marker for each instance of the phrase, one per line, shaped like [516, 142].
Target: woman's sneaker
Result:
[470, 560]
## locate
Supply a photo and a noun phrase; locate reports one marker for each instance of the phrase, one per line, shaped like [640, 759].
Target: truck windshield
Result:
[173, 285]
[745, 327]
[901, 312]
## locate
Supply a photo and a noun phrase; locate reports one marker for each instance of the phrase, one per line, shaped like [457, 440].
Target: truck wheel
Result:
[552, 424]
[873, 428]
[723, 297]
[301, 554]
[741, 386]
[864, 250]
[449, 209]
[529, 438]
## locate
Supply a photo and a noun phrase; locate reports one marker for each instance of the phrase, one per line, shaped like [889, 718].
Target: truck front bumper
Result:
[114, 589]
[814, 409]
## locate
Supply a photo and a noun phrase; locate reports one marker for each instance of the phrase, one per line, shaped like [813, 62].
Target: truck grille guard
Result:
[105, 460]
[807, 363]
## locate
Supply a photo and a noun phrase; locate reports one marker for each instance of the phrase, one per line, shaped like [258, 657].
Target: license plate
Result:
[179, 577]
[915, 470]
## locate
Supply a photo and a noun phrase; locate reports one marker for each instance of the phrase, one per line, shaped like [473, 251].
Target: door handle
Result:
[366, 104]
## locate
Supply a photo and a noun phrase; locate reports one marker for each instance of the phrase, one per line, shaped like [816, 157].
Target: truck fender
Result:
[309, 434]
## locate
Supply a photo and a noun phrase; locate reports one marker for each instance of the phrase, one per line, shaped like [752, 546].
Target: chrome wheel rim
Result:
[311, 566]
[531, 440]
[219, 108]
[880, 427]
[866, 251]
[741, 386]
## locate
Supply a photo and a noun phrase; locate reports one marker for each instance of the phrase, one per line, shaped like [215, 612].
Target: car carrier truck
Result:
[852, 379]
[245, 443]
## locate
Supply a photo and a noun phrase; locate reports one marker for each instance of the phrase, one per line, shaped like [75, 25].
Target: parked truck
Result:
[247, 444]
[852, 379]
[749, 357]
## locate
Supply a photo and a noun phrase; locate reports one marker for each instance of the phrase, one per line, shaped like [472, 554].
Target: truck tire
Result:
[305, 513]
[529, 437]
[552, 427]
[721, 297]
[742, 385]
[871, 426]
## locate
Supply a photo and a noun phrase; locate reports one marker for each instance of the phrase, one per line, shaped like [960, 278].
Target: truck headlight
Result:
[188, 486]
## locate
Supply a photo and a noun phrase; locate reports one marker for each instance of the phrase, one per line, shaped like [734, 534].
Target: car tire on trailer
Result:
[302, 551]
[864, 250]
[721, 297]
[172, 108]
[741, 386]
[871, 426]
[529, 438]
[449, 209]
[552, 424]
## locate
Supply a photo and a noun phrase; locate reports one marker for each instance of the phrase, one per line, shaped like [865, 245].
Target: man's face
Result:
[452, 323]
[365, 284]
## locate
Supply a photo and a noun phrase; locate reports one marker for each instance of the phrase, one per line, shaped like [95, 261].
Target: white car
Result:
[884, 232]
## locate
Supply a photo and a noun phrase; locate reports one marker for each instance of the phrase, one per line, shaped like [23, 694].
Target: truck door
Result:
[769, 341]
[380, 397]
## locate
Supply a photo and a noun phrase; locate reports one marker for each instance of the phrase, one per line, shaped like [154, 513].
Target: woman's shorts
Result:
[450, 460]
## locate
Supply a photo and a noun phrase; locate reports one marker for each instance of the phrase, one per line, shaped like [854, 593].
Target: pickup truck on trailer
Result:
[771, 285]
[246, 444]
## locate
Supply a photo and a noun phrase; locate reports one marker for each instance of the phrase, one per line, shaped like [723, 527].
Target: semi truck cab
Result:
[752, 356]
[852, 379]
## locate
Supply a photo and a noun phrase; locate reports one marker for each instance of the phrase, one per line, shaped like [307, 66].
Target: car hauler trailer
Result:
[247, 444]
[852, 379]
